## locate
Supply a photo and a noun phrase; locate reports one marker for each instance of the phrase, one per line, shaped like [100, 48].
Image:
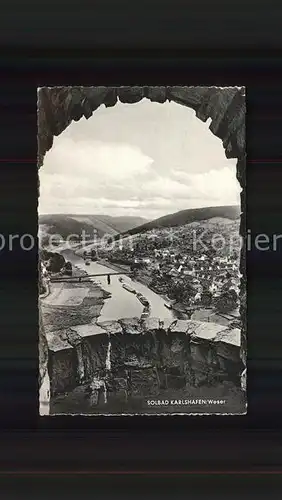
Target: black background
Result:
[238, 443]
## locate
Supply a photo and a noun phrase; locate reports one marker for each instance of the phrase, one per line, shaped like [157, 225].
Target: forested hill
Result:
[183, 217]
[66, 224]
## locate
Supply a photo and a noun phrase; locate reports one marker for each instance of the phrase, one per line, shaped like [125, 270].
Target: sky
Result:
[145, 159]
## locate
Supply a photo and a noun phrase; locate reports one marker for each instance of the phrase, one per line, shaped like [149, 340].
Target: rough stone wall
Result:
[145, 358]
[42, 349]
[63, 369]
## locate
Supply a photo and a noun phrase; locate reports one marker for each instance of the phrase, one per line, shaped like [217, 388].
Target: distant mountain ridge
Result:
[231, 212]
[67, 224]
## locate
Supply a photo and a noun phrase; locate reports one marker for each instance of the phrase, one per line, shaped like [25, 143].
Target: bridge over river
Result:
[74, 279]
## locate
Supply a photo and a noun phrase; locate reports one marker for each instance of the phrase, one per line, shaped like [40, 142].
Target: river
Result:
[122, 304]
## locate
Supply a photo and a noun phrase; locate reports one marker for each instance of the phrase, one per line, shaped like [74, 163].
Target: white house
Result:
[147, 260]
[213, 288]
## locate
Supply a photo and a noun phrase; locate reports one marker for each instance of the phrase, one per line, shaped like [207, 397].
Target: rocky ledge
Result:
[121, 362]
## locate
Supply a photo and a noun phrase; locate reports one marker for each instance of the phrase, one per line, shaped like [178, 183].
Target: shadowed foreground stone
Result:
[63, 367]
[143, 382]
[131, 326]
[143, 362]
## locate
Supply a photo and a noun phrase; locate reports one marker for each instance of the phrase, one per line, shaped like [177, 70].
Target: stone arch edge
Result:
[59, 106]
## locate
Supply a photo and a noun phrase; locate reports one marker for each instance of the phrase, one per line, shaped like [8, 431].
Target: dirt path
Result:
[60, 295]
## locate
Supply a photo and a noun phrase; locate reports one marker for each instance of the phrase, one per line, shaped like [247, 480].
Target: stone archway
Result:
[58, 106]
[225, 106]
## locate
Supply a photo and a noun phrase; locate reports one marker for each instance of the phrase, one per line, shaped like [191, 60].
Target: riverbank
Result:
[72, 304]
[47, 290]
[144, 279]
[177, 309]
[139, 278]
[115, 267]
[122, 304]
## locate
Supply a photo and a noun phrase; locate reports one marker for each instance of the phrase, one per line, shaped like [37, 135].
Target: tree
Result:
[211, 252]
[42, 288]
[45, 255]
[206, 298]
[44, 240]
[181, 292]
[56, 263]
[68, 268]
[226, 302]
[93, 254]
[178, 292]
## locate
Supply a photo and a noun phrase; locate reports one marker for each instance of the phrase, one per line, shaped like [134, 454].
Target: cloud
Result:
[70, 158]
[146, 160]
[212, 185]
